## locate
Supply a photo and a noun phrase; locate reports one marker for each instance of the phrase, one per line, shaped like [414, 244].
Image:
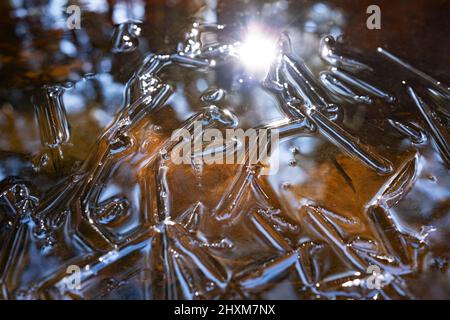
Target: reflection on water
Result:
[363, 176]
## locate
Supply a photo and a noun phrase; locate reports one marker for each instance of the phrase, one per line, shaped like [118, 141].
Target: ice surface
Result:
[139, 226]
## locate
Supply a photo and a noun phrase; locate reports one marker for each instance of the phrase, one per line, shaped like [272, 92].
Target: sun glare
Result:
[257, 52]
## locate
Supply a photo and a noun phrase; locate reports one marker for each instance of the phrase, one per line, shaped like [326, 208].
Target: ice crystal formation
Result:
[139, 227]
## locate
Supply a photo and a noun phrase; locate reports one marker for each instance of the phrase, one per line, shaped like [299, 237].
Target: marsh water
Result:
[361, 196]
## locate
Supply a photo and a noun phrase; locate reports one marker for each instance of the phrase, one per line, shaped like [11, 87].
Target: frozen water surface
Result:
[88, 183]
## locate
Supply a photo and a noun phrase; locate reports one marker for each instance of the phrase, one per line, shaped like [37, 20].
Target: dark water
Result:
[86, 180]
